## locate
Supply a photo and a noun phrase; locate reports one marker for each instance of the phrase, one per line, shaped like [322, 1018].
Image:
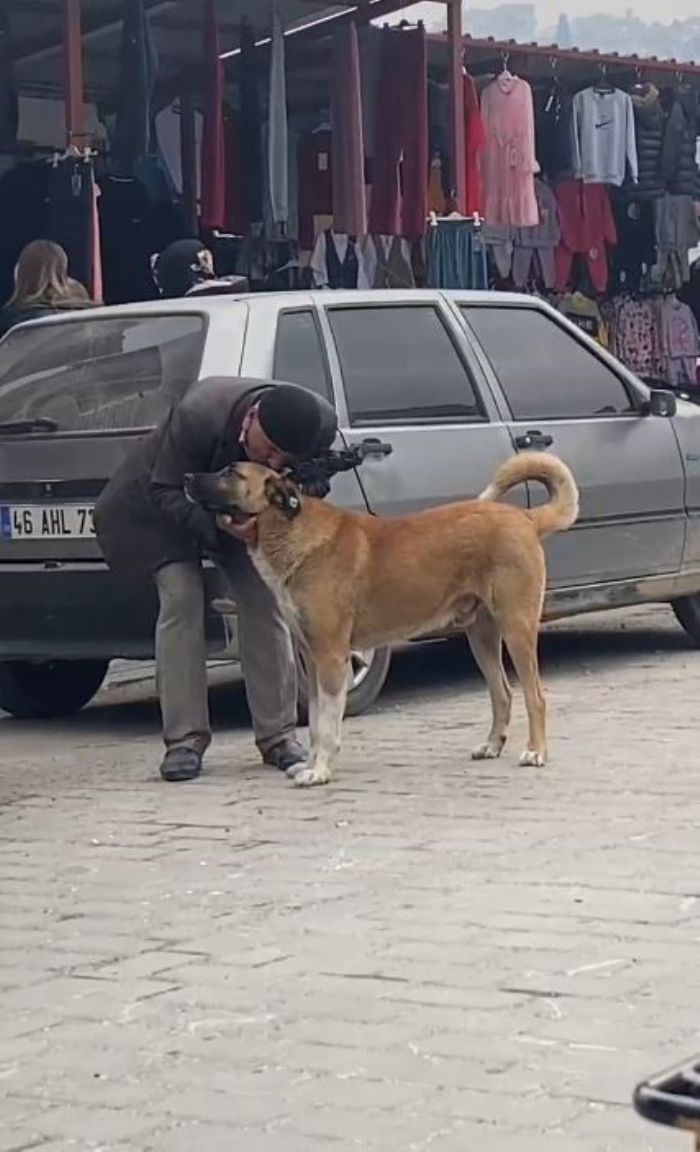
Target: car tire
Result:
[45, 690]
[370, 669]
[687, 610]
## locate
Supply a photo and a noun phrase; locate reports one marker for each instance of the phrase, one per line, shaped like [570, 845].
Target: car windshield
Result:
[99, 374]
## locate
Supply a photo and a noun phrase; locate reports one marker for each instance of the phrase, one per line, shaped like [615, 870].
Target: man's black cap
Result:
[297, 421]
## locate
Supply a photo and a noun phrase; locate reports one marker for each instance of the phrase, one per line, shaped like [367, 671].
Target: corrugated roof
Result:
[36, 28]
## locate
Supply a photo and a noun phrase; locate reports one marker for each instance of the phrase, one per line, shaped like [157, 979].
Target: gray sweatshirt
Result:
[604, 139]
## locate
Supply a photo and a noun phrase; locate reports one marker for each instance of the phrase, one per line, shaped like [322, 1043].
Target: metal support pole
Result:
[456, 98]
[74, 100]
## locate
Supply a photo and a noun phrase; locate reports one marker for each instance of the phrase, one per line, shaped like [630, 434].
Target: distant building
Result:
[505, 22]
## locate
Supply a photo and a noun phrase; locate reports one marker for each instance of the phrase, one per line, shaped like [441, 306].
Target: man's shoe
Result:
[288, 756]
[181, 764]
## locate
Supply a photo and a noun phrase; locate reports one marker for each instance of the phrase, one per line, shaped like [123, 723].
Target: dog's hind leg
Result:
[521, 641]
[331, 673]
[485, 641]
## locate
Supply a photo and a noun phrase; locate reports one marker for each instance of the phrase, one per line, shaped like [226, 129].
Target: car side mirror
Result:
[661, 402]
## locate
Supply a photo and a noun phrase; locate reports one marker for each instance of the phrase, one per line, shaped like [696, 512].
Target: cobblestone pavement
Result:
[426, 955]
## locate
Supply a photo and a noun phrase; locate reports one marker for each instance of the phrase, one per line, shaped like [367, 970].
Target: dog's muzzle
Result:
[201, 490]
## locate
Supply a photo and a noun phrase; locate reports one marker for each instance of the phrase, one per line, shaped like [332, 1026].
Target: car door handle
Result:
[374, 448]
[534, 440]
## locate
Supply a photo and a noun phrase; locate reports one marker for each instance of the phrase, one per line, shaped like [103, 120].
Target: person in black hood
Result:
[147, 527]
[186, 268]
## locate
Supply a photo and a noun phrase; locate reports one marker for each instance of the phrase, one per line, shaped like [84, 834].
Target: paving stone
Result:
[427, 955]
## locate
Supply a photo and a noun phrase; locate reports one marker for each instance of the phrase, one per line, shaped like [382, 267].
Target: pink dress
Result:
[508, 162]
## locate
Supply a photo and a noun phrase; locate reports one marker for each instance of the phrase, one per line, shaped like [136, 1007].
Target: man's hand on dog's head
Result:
[246, 533]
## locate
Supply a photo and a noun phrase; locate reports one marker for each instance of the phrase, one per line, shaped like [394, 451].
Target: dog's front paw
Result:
[532, 759]
[487, 751]
[313, 774]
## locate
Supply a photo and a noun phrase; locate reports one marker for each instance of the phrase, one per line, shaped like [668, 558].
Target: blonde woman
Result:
[42, 286]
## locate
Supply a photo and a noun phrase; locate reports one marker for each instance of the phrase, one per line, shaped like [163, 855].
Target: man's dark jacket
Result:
[142, 517]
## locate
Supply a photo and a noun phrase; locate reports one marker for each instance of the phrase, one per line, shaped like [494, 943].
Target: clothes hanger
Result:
[603, 86]
[505, 73]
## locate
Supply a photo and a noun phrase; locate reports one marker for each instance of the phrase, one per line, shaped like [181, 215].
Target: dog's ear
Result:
[283, 493]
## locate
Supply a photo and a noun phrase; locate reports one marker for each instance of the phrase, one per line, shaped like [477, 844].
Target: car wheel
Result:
[367, 674]
[687, 610]
[48, 689]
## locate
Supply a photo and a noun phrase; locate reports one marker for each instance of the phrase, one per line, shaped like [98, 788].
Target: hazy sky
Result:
[548, 10]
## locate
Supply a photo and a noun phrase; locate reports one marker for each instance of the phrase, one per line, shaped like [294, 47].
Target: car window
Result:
[299, 353]
[399, 365]
[100, 374]
[543, 370]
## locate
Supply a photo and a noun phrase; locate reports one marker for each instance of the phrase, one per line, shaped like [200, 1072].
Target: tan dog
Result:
[350, 580]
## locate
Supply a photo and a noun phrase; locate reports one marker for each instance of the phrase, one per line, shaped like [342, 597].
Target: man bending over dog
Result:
[145, 524]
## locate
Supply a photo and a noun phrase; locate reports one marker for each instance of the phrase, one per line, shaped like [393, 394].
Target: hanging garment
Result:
[251, 128]
[499, 240]
[9, 103]
[679, 343]
[276, 230]
[634, 336]
[70, 205]
[635, 253]
[348, 161]
[278, 167]
[385, 262]
[474, 145]
[679, 167]
[439, 149]
[138, 69]
[334, 260]
[649, 124]
[213, 211]
[585, 314]
[400, 164]
[235, 222]
[456, 255]
[538, 244]
[95, 287]
[370, 41]
[604, 141]
[553, 117]
[437, 201]
[677, 231]
[509, 164]
[23, 200]
[128, 239]
[587, 229]
[168, 141]
[314, 155]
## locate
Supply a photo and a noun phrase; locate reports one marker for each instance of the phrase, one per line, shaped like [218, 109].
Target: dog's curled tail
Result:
[561, 511]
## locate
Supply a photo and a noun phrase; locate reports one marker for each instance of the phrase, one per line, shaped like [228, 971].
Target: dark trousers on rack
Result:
[400, 163]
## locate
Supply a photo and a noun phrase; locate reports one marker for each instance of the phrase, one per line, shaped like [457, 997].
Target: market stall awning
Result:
[37, 34]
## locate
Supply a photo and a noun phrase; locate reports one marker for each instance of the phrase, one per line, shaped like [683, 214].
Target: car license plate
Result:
[46, 521]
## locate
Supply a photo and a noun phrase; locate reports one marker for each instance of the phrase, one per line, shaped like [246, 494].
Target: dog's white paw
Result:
[487, 751]
[311, 775]
[531, 759]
